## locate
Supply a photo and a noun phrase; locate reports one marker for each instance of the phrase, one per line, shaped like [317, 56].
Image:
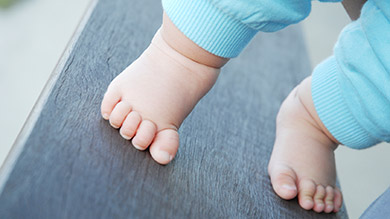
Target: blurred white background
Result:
[34, 33]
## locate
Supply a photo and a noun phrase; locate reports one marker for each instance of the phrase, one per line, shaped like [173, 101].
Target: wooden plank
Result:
[69, 163]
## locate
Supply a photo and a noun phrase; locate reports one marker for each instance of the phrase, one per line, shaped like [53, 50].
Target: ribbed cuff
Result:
[209, 27]
[333, 109]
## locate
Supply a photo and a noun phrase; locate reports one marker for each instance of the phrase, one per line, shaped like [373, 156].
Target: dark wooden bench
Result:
[69, 163]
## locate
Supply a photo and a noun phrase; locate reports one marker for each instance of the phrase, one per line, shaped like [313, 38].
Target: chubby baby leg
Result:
[302, 162]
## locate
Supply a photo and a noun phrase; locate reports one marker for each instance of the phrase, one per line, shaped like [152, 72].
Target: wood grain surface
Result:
[69, 163]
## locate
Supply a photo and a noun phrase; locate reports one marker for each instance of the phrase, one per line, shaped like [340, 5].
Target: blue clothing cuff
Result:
[209, 27]
[334, 111]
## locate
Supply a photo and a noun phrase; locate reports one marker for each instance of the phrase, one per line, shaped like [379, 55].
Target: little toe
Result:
[307, 189]
[145, 135]
[283, 180]
[319, 196]
[338, 200]
[329, 204]
[130, 125]
[165, 146]
[119, 114]
[110, 99]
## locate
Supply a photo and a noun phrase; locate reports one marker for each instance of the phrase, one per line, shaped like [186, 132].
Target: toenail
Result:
[164, 156]
[125, 136]
[105, 116]
[308, 201]
[138, 147]
[289, 187]
[114, 126]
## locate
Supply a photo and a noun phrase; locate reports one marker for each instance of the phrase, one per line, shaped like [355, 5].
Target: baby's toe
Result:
[329, 204]
[130, 125]
[338, 200]
[319, 196]
[283, 181]
[145, 135]
[110, 99]
[119, 114]
[307, 189]
[165, 146]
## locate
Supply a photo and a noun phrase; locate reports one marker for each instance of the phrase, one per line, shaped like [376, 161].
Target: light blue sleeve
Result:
[225, 27]
[351, 89]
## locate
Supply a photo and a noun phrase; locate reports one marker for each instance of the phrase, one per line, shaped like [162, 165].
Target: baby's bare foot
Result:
[302, 162]
[150, 99]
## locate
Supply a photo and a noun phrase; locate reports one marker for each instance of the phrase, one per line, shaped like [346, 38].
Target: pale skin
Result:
[150, 99]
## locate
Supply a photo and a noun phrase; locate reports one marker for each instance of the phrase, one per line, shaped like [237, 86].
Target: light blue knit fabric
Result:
[225, 27]
[351, 89]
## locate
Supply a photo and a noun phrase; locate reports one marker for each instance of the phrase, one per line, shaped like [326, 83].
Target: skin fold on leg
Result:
[302, 162]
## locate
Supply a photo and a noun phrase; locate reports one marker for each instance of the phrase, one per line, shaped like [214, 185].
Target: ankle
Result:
[185, 46]
[201, 76]
[304, 94]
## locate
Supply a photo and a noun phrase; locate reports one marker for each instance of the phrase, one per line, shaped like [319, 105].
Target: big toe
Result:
[283, 180]
[165, 145]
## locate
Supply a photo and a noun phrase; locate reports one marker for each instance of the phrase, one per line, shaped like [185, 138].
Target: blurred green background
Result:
[6, 3]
